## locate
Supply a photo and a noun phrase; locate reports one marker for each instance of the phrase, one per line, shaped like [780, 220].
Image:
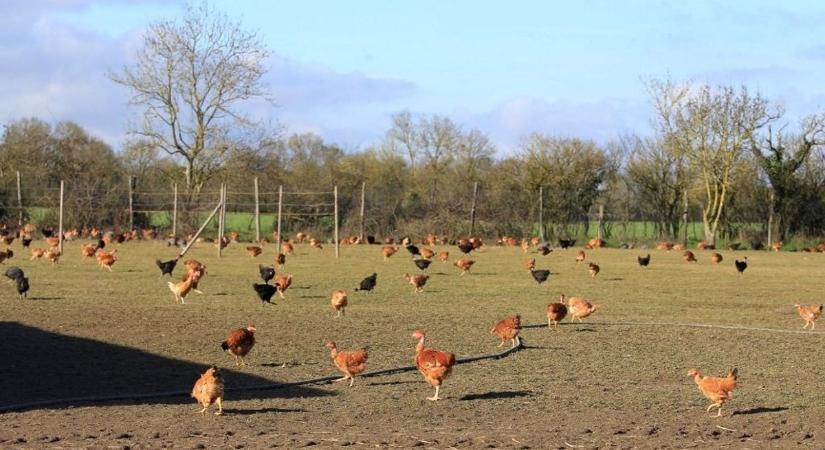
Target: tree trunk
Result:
[710, 229]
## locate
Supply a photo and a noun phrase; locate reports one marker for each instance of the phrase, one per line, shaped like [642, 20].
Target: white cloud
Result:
[300, 86]
[512, 120]
[57, 70]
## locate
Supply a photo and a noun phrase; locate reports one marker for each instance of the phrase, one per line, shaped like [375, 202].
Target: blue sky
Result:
[341, 68]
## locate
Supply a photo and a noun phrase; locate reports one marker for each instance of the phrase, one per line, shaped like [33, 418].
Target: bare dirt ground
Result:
[602, 384]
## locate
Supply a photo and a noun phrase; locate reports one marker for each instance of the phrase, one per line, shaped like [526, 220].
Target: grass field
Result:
[602, 384]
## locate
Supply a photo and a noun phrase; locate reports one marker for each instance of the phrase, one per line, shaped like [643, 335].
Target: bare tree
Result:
[404, 137]
[191, 77]
[474, 151]
[439, 137]
[712, 127]
[660, 175]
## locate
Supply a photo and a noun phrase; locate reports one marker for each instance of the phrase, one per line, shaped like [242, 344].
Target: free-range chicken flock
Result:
[434, 365]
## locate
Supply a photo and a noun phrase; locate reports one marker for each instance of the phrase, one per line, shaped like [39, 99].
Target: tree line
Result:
[421, 177]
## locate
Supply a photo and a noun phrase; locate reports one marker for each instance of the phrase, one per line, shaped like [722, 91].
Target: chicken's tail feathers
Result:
[734, 373]
[224, 346]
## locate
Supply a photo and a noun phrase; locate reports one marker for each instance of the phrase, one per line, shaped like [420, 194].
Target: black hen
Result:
[267, 273]
[422, 263]
[265, 292]
[47, 232]
[26, 241]
[567, 243]
[543, 250]
[368, 284]
[14, 273]
[100, 244]
[413, 250]
[540, 275]
[466, 247]
[22, 286]
[166, 267]
[643, 261]
[741, 265]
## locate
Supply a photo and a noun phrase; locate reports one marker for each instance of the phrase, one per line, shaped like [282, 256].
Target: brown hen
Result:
[508, 329]
[208, 389]
[239, 342]
[435, 365]
[348, 363]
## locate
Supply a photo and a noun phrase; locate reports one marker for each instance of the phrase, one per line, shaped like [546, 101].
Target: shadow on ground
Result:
[42, 366]
[759, 410]
[496, 395]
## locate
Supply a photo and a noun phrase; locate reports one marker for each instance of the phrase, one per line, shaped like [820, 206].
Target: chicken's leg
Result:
[219, 401]
[435, 397]
[501, 345]
[718, 405]
[813, 325]
[351, 381]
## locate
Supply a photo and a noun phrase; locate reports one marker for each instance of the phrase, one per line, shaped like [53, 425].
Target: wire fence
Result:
[314, 211]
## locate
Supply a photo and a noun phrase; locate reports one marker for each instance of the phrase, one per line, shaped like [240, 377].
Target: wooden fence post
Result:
[541, 213]
[131, 205]
[335, 194]
[770, 220]
[60, 220]
[473, 210]
[221, 220]
[257, 214]
[175, 215]
[685, 218]
[280, 203]
[19, 202]
[363, 191]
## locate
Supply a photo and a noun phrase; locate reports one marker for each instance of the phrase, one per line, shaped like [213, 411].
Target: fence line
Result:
[154, 207]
